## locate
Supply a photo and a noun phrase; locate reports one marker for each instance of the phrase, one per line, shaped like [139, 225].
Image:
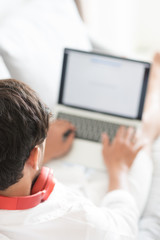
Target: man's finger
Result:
[69, 141]
[70, 137]
[105, 139]
[65, 127]
[129, 134]
[68, 133]
[64, 123]
[121, 132]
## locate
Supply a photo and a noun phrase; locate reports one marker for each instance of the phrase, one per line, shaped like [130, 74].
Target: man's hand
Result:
[122, 151]
[58, 142]
[119, 155]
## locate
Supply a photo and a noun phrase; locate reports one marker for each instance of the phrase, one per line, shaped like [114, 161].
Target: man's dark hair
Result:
[24, 122]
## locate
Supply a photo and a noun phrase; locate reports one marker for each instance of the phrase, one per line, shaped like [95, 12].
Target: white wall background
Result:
[125, 27]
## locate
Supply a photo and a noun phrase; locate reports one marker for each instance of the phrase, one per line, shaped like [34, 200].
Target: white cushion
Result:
[4, 73]
[32, 42]
[8, 6]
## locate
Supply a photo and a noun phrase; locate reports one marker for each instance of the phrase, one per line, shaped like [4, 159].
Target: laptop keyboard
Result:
[90, 129]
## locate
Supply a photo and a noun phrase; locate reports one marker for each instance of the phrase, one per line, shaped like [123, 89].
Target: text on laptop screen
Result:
[104, 84]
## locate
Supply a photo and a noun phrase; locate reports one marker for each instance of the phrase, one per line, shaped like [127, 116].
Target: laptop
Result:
[99, 93]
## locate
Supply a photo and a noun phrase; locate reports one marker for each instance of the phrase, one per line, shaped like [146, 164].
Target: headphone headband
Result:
[41, 190]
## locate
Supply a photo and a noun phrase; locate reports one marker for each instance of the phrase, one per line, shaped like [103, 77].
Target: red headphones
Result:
[41, 190]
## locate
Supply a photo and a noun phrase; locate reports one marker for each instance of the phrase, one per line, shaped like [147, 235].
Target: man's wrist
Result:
[118, 179]
[118, 169]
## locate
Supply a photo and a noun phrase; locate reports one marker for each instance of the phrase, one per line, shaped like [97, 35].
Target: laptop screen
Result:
[103, 83]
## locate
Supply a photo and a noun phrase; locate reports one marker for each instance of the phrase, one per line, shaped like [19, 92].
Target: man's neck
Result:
[17, 190]
[21, 188]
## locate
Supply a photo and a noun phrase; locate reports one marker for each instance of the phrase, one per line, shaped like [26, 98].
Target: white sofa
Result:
[33, 34]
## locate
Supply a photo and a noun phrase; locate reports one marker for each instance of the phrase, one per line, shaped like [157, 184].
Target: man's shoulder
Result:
[67, 196]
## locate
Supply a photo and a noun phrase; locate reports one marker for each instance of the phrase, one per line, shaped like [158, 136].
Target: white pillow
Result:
[8, 6]
[4, 73]
[32, 41]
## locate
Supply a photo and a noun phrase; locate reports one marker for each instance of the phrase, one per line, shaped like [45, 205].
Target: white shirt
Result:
[149, 226]
[68, 215]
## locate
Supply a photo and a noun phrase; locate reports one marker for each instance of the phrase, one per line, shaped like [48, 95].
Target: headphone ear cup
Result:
[49, 186]
[44, 179]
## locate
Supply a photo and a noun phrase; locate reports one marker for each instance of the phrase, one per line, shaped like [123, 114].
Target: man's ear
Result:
[33, 159]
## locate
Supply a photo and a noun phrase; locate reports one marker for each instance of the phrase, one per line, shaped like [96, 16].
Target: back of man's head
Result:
[24, 122]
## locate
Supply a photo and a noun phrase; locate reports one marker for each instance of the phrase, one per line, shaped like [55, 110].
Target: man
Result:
[33, 204]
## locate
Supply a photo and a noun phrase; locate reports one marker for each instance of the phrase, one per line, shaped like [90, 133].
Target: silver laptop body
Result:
[99, 93]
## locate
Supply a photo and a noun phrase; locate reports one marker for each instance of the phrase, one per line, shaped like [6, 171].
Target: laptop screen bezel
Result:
[63, 75]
